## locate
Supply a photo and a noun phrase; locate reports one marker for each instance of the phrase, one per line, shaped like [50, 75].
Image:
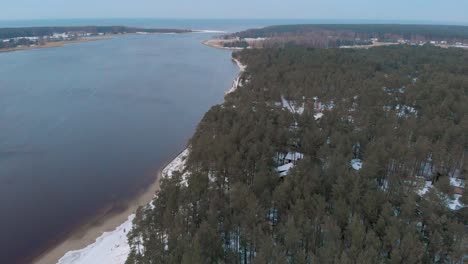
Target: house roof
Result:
[294, 156]
[285, 167]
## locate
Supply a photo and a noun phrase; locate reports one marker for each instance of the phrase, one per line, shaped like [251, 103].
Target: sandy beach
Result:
[218, 44]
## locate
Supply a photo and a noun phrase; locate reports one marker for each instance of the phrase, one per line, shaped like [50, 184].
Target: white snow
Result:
[452, 202]
[427, 185]
[318, 116]
[241, 66]
[237, 82]
[356, 164]
[401, 110]
[292, 107]
[328, 106]
[455, 204]
[457, 182]
[112, 247]
[405, 110]
[177, 164]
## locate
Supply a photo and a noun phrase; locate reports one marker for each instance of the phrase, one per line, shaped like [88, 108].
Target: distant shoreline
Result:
[61, 43]
[54, 44]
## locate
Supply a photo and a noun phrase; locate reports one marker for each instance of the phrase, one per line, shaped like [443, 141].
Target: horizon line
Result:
[338, 20]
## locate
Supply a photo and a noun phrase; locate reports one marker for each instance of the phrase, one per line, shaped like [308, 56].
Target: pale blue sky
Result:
[415, 10]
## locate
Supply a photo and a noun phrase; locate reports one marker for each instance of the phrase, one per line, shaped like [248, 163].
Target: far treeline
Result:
[401, 110]
[322, 35]
[18, 32]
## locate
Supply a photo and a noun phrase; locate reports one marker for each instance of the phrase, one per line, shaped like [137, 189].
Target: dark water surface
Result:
[87, 125]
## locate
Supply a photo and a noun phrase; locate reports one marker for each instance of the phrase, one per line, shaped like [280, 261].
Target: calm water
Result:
[87, 125]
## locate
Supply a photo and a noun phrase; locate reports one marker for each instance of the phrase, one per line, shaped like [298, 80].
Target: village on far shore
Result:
[12, 39]
[238, 43]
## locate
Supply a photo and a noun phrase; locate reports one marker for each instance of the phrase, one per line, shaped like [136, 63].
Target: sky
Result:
[407, 10]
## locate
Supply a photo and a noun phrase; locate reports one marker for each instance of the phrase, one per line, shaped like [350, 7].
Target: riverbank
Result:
[106, 236]
[218, 44]
[54, 44]
[237, 82]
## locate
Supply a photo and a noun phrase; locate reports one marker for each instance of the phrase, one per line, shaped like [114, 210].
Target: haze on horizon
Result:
[449, 11]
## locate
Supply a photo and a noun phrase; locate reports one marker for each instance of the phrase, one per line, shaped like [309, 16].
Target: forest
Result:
[377, 30]
[333, 35]
[372, 140]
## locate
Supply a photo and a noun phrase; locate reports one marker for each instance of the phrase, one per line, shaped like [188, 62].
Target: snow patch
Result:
[404, 110]
[237, 82]
[241, 66]
[318, 116]
[356, 164]
[111, 247]
[425, 189]
[292, 106]
[457, 182]
[455, 204]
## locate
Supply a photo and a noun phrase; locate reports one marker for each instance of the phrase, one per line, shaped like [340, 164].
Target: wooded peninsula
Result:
[322, 156]
[346, 35]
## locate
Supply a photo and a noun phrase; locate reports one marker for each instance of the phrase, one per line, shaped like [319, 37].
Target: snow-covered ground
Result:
[457, 182]
[451, 201]
[455, 204]
[425, 189]
[112, 247]
[292, 106]
[356, 164]
[318, 116]
[237, 82]
[241, 66]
